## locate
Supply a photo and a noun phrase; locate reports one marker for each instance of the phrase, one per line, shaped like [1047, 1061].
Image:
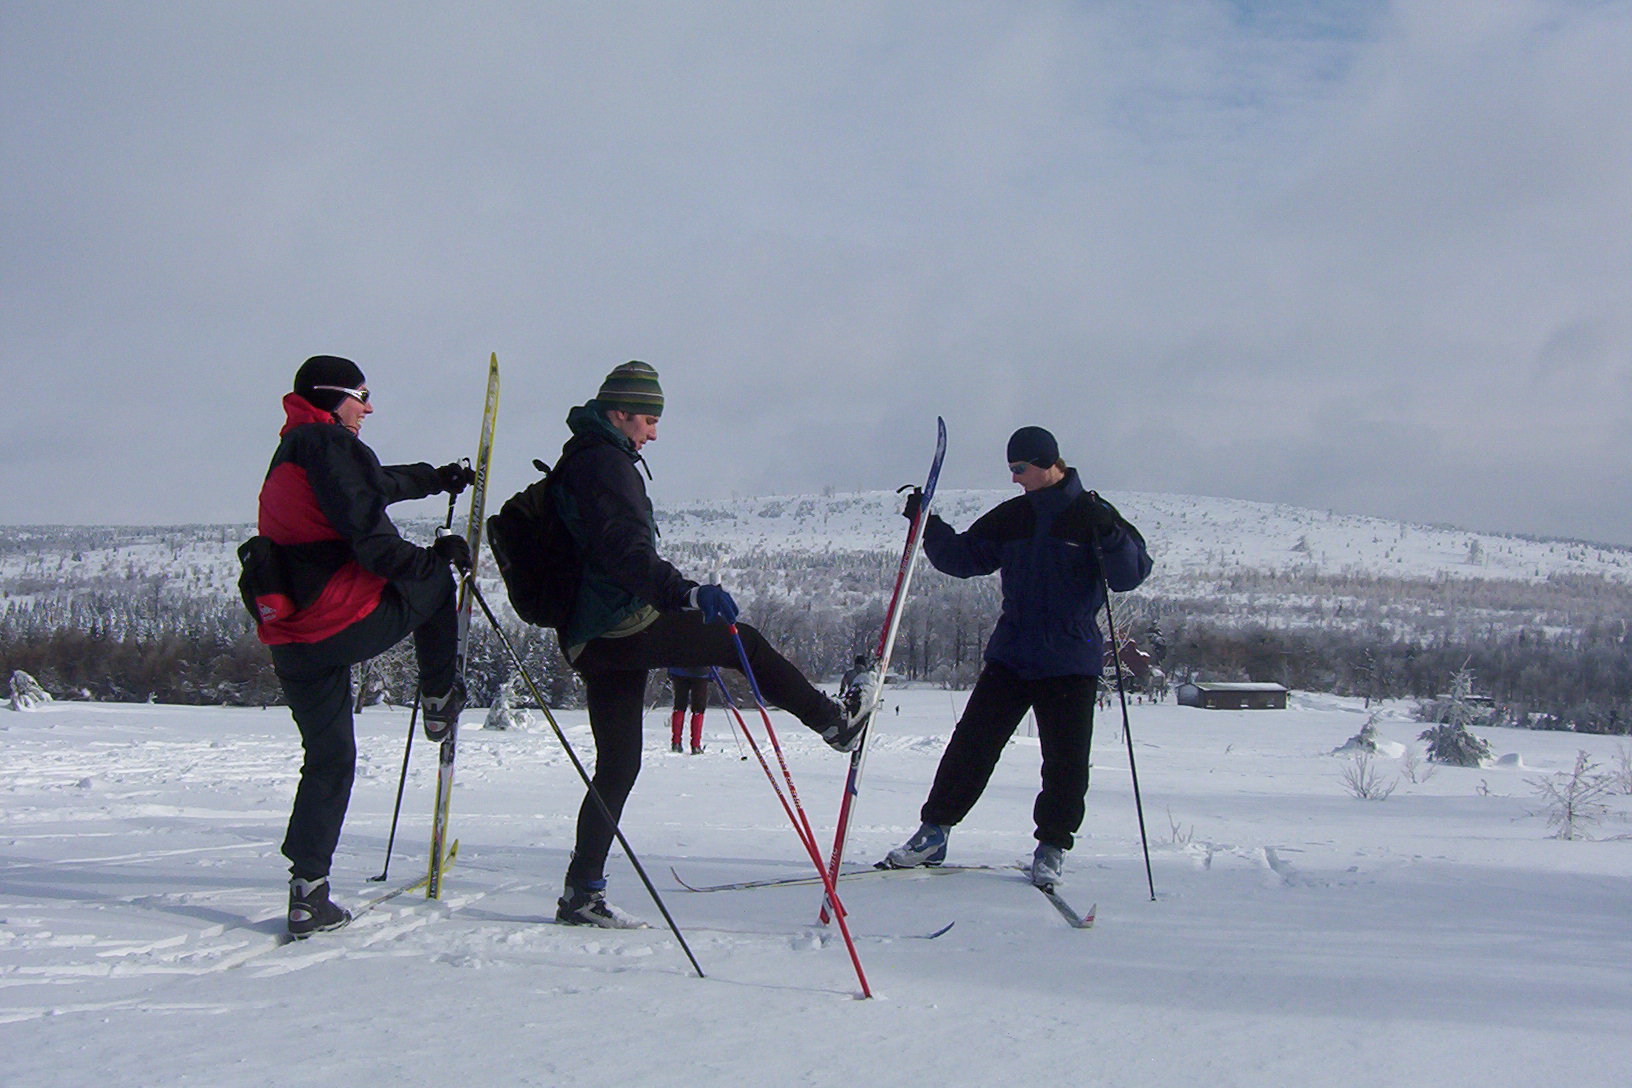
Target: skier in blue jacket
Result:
[1045, 654]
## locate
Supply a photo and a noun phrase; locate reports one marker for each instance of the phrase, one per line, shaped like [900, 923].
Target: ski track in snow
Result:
[1299, 935]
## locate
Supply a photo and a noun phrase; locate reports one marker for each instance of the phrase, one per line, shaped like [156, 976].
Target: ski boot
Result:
[587, 906]
[310, 909]
[1047, 866]
[440, 713]
[926, 847]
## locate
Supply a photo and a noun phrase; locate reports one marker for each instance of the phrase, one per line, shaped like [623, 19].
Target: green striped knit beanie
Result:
[632, 387]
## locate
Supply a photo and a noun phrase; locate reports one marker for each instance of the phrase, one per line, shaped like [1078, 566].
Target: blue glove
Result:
[715, 603]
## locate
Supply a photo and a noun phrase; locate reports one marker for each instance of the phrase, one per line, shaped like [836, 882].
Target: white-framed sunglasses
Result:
[358, 395]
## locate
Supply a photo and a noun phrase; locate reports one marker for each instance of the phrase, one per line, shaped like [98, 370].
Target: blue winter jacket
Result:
[1051, 583]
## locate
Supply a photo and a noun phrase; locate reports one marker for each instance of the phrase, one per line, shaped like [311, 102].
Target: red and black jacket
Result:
[324, 503]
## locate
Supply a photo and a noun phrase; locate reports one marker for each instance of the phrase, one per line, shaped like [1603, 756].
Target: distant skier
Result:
[690, 691]
[1045, 654]
[333, 583]
[635, 612]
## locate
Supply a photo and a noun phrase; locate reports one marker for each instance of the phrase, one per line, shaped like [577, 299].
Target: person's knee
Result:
[330, 751]
[616, 773]
[753, 641]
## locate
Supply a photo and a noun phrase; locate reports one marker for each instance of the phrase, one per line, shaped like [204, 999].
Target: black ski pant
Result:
[316, 679]
[692, 691]
[1065, 731]
[614, 672]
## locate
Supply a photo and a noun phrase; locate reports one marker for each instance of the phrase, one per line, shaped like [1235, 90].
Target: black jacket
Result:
[604, 504]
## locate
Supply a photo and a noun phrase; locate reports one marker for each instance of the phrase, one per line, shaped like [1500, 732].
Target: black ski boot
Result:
[581, 906]
[311, 910]
[441, 712]
[851, 712]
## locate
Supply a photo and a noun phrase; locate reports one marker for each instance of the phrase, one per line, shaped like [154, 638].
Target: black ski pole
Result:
[1122, 694]
[402, 779]
[595, 794]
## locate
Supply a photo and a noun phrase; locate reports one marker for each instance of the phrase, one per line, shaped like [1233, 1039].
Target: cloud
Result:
[1245, 249]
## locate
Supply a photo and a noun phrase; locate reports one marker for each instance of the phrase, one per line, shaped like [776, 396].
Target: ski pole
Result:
[801, 824]
[732, 719]
[402, 779]
[1122, 694]
[736, 734]
[886, 646]
[800, 829]
[577, 764]
[776, 786]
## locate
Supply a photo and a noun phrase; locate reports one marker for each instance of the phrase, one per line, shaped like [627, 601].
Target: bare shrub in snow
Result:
[1574, 798]
[1177, 835]
[1415, 769]
[1364, 781]
[1623, 767]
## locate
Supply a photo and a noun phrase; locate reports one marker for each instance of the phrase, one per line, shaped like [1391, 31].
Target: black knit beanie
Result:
[1034, 446]
[632, 387]
[327, 370]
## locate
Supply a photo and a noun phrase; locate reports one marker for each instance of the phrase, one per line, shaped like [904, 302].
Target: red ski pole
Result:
[790, 804]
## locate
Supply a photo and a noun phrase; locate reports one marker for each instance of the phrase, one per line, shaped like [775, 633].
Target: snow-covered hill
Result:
[1192, 537]
[1196, 541]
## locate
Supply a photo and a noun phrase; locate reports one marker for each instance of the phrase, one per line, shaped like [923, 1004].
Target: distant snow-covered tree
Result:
[1363, 741]
[1449, 741]
[26, 692]
[504, 713]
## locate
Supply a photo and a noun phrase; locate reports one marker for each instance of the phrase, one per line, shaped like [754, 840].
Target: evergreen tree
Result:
[1449, 741]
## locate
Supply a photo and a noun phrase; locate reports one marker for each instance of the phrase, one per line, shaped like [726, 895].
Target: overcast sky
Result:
[1367, 256]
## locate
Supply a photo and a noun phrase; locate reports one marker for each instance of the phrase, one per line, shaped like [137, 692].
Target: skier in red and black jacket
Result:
[348, 588]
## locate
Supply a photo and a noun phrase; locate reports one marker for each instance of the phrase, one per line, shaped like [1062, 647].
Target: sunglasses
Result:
[1018, 468]
[358, 395]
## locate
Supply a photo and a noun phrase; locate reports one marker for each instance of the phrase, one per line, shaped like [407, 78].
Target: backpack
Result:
[278, 580]
[537, 557]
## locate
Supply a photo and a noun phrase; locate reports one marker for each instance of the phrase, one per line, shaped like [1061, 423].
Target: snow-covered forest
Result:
[1314, 600]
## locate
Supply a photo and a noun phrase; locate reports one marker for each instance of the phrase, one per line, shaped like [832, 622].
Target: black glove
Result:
[1102, 516]
[915, 499]
[454, 549]
[715, 603]
[455, 476]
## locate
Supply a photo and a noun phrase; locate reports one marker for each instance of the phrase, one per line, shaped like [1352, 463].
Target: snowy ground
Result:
[1299, 936]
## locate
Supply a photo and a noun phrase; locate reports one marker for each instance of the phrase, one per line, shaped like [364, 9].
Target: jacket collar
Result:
[1056, 498]
[588, 423]
[590, 420]
[299, 411]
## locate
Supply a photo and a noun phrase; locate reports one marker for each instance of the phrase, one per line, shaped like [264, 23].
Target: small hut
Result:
[1211, 696]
